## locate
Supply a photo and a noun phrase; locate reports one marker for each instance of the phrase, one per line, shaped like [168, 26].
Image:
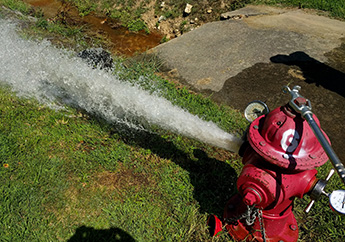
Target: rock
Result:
[225, 16]
[177, 32]
[209, 11]
[229, 15]
[188, 9]
[33, 19]
[161, 19]
[97, 58]
[162, 5]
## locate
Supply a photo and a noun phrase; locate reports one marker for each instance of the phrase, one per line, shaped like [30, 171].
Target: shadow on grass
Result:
[89, 234]
[214, 181]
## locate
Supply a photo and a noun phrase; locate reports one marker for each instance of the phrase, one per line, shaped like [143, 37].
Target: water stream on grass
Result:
[52, 75]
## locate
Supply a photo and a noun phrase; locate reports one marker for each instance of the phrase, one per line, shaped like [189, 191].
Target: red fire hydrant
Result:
[279, 165]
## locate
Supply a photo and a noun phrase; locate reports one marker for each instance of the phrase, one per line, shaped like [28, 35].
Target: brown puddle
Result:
[123, 41]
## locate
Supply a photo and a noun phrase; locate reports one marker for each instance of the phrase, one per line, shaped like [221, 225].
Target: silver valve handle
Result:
[298, 102]
[318, 190]
[303, 106]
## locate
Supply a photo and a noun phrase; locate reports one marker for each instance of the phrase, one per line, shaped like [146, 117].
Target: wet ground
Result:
[322, 83]
[122, 41]
[238, 61]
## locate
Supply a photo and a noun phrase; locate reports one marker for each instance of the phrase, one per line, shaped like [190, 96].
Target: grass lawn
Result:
[70, 176]
[65, 175]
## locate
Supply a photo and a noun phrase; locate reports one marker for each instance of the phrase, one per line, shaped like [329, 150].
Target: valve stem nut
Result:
[251, 197]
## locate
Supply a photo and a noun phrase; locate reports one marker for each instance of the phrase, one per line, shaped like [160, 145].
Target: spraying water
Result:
[52, 75]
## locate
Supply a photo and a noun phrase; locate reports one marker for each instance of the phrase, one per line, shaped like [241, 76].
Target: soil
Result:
[117, 39]
[120, 41]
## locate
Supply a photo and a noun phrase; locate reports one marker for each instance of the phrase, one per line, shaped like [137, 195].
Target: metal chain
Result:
[261, 221]
[250, 216]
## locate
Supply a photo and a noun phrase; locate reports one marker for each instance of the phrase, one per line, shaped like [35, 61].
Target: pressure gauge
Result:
[255, 109]
[337, 201]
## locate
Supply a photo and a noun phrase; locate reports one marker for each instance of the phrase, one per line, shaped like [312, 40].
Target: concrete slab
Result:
[206, 57]
[258, 51]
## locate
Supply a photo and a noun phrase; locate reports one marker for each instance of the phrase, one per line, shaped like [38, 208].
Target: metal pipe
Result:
[339, 167]
[303, 106]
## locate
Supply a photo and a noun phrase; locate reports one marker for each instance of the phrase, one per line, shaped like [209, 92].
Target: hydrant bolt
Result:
[293, 227]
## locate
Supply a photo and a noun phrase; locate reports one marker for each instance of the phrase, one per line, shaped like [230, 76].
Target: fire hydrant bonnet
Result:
[286, 140]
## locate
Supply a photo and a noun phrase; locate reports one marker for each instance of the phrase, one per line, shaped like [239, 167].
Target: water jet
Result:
[52, 75]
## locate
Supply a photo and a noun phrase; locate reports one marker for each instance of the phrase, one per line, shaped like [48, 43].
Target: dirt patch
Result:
[95, 26]
[202, 12]
[122, 179]
[149, 16]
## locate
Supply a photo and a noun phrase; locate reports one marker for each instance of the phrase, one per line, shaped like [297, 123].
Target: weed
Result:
[182, 26]
[16, 5]
[335, 8]
[137, 25]
[42, 23]
[84, 7]
[164, 39]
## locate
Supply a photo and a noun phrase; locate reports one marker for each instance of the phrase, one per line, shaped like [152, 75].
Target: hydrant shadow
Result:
[214, 181]
[89, 234]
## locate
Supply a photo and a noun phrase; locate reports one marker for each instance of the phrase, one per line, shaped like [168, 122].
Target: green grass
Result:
[335, 8]
[70, 176]
[85, 7]
[67, 175]
[64, 172]
[16, 5]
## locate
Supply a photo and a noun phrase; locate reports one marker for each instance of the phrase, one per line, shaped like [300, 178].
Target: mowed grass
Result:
[70, 176]
[66, 176]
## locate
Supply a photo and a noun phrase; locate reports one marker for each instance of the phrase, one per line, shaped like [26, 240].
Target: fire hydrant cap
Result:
[286, 140]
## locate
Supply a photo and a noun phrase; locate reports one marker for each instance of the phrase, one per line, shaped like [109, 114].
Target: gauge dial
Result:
[254, 110]
[337, 201]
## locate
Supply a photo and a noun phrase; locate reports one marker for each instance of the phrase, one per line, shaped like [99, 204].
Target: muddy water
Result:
[123, 41]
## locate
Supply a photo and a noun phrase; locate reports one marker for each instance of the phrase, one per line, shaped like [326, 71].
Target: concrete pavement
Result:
[256, 52]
